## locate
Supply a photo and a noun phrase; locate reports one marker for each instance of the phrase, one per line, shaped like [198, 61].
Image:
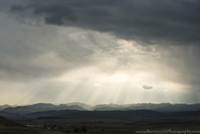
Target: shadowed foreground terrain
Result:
[106, 122]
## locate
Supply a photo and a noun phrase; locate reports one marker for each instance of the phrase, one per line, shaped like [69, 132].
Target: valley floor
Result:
[109, 129]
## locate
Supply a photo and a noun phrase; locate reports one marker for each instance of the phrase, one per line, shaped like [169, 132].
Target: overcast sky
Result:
[99, 51]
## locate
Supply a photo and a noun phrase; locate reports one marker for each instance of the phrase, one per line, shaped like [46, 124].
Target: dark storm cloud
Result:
[30, 52]
[146, 21]
[5, 4]
[146, 87]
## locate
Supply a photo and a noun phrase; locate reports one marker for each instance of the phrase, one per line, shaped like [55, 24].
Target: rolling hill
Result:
[6, 122]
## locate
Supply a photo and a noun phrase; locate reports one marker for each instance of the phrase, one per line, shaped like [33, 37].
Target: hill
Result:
[130, 114]
[22, 110]
[6, 122]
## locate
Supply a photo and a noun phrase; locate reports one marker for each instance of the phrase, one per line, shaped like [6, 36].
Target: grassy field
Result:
[25, 130]
[103, 125]
[21, 130]
[104, 129]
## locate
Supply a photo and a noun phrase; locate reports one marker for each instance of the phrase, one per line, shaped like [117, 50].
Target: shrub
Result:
[76, 129]
[68, 130]
[84, 128]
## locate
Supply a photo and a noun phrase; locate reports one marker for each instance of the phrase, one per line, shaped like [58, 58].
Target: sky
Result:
[99, 51]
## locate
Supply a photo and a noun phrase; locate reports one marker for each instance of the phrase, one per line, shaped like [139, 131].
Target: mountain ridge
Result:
[161, 107]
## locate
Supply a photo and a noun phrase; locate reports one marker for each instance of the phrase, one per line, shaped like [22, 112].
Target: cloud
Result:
[31, 51]
[171, 28]
[148, 22]
[146, 87]
[97, 84]
[111, 42]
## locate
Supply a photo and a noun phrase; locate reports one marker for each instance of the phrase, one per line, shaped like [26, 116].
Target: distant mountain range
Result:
[162, 107]
[4, 106]
[12, 111]
[22, 110]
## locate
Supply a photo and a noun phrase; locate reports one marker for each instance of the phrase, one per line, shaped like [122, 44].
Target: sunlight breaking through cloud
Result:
[52, 52]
